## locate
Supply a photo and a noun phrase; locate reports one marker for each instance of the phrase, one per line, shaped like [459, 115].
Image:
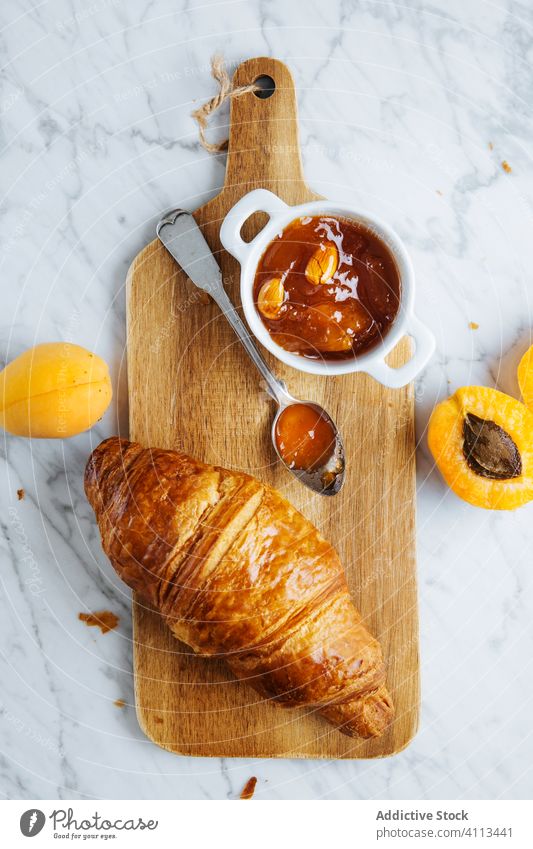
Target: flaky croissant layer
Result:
[237, 572]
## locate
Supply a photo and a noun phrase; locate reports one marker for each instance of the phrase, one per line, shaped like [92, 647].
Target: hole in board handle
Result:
[266, 85]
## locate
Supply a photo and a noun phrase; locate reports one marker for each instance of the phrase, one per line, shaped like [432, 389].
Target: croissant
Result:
[237, 572]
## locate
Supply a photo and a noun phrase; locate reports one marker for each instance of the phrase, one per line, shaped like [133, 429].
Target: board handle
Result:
[264, 148]
[259, 200]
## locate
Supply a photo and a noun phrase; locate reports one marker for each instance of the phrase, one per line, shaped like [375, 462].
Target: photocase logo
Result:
[32, 822]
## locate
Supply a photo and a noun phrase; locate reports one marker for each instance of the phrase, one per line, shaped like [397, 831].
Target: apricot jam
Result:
[327, 288]
[304, 437]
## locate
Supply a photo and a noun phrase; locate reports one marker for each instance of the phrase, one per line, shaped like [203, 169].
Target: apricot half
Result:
[54, 390]
[482, 442]
[525, 377]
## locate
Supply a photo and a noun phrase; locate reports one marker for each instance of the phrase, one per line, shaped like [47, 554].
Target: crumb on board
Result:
[103, 619]
[158, 720]
[473, 325]
[249, 788]
[506, 167]
[119, 703]
[20, 494]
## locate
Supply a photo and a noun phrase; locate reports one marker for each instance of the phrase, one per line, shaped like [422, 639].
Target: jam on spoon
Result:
[308, 443]
[304, 437]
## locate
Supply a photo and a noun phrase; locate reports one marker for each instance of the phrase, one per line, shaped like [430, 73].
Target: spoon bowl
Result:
[326, 476]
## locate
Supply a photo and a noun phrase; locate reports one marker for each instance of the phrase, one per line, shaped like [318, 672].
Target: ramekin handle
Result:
[259, 200]
[395, 378]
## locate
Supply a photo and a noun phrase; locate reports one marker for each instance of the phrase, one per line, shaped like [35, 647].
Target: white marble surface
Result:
[398, 104]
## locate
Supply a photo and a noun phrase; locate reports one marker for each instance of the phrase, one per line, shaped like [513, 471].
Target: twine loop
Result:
[225, 92]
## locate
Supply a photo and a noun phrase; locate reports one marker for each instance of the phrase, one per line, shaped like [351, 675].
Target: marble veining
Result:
[408, 108]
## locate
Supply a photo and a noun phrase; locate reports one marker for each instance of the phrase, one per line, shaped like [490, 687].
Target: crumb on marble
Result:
[249, 788]
[473, 325]
[120, 703]
[21, 494]
[506, 167]
[491, 146]
[103, 619]
[438, 192]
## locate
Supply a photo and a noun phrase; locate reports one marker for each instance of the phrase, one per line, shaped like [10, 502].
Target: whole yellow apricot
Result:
[53, 391]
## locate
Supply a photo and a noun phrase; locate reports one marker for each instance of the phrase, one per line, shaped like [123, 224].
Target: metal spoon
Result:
[183, 239]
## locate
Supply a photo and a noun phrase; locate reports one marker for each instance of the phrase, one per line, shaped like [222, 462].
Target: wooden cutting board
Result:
[191, 388]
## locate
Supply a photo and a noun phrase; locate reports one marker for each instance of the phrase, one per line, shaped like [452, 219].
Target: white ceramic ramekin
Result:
[249, 253]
